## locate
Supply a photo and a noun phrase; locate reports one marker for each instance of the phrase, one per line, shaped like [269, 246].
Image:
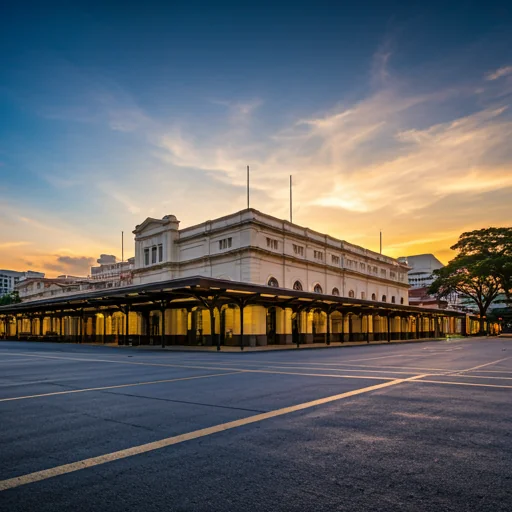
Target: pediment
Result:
[149, 223]
[155, 224]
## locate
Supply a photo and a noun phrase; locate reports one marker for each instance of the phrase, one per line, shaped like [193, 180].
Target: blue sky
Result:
[389, 115]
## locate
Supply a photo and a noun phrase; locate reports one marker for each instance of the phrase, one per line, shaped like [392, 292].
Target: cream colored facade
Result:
[247, 248]
[252, 247]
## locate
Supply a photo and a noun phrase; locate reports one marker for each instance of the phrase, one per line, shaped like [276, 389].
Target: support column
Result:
[61, 329]
[162, 334]
[241, 306]
[104, 328]
[388, 322]
[367, 328]
[342, 328]
[94, 320]
[127, 324]
[214, 336]
[81, 327]
[328, 333]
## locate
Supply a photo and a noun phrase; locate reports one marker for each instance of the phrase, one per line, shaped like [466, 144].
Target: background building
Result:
[422, 266]
[421, 277]
[109, 274]
[109, 269]
[9, 278]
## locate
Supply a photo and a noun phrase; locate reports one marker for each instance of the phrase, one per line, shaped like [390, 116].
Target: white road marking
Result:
[480, 366]
[466, 376]
[144, 383]
[222, 368]
[170, 441]
[465, 384]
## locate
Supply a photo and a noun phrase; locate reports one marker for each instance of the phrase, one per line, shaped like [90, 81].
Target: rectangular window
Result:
[160, 252]
[375, 271]
[225, 243]
[392, 275]
[153, 254]
[298, 249]
[146, 256]
[362, 267]
[382, 272]
[272, 244]
[319, 255]
[335, 259]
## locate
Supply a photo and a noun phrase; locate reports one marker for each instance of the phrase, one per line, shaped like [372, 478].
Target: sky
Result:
[392, 116]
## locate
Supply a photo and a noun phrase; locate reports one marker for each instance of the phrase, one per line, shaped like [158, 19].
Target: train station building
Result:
[246, 279]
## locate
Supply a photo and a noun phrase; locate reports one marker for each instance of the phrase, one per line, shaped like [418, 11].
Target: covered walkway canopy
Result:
[201, 310]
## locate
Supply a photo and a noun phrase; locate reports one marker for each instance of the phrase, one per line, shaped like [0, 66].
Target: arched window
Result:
[374, 297]
[273, 282]
[402, 300]
[351, 294]
[393, 299]
[318, 289]
[335, 291]
[297, 286]
[383, 298]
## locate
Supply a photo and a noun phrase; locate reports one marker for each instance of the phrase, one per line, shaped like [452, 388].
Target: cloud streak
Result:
[499, 73]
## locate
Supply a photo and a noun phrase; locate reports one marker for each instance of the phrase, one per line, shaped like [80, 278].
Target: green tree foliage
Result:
[10, 298]
[493, 248]
[466, 276]
[481, 270]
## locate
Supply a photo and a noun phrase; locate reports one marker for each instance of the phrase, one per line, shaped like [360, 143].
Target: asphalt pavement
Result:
[409, 427]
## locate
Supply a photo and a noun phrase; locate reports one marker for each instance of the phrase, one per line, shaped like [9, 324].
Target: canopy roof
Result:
[205, 291]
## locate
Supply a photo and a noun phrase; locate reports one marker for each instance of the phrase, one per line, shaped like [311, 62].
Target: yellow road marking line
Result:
[170, 441]
[144, 383]
[464, 384]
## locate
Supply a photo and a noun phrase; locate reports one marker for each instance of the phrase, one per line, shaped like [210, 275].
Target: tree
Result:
[467, 275]
[10, 298]
[493, 247]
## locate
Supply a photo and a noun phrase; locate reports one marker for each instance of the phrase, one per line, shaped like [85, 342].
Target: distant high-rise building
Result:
[9, 278]
[422, 267]
[421, 277]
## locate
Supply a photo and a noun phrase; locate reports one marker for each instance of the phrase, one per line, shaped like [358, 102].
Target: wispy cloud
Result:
[498, 73]
[10, 245]
[116, 191]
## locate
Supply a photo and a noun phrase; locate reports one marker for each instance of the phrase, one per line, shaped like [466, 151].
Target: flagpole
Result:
[247, 187]
[291, 200]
